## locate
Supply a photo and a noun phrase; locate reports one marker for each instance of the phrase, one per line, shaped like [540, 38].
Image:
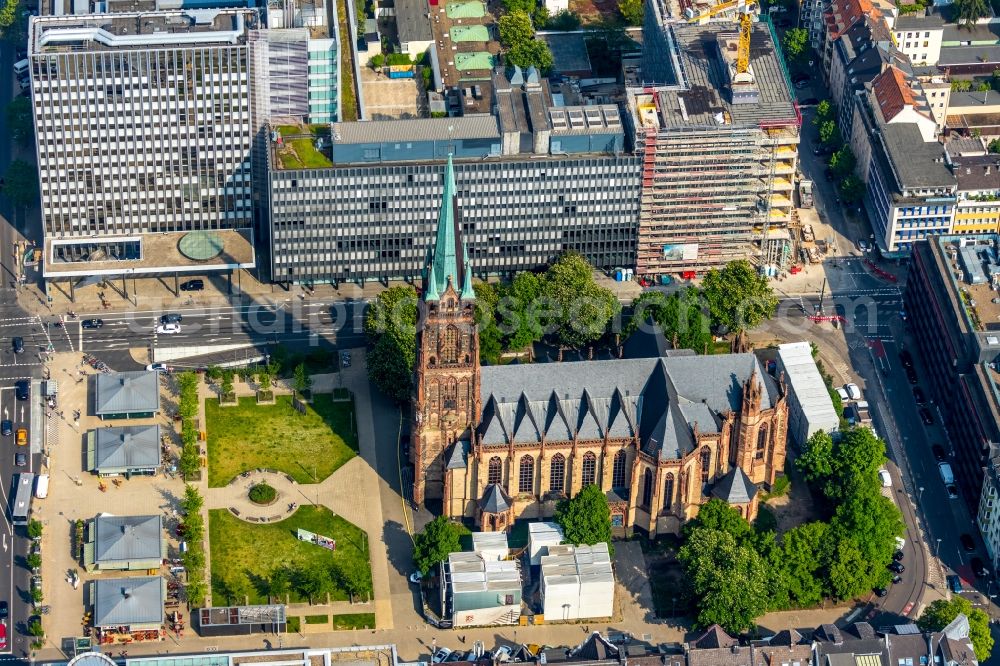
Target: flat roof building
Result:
[124, 543]
[810, 407]
[577, 583]
[478, 592]
[127, 395]
[145, 133]
[123, 451]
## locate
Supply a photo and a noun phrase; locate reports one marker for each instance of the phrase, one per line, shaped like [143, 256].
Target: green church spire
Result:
[445, 262]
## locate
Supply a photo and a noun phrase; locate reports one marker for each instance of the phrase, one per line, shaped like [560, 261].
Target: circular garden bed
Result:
[263, 494]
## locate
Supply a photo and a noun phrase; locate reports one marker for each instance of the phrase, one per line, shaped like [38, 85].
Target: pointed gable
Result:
[449, 249]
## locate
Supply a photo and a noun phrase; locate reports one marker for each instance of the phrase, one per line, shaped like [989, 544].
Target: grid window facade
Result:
[618, 475]
[557, 473]
[495, 474]
[144, 140]
[526, 475]
[378, 221]
[589, 471]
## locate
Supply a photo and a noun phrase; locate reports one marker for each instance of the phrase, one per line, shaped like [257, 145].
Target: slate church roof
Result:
[659, 400]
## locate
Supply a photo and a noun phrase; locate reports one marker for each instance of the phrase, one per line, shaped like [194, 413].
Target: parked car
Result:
[853, 391]
[455, 656]
[20, 459]
[502, 654]
[926, 416]
[979, 568]
[801, 84]
[939, 454]
[896, 579]
[6, 427]
[954, 584]
[952, 491]
[22, 389]
[880, 591]
[193, 285]
[3, 635]
[898, 556]
[911, 376]
[842, 392]
[906, 359]
[92, 323]
[416, 577]
[440, 656]
[4, 610]
[883, 476]
[18, 344]
[157, 367]
[22, 437]
[170, 318]
[918, 395]
[896, 567]
[968, 543]
[168, 329]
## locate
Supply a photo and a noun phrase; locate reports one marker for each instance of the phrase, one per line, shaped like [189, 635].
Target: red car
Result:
[3, 635]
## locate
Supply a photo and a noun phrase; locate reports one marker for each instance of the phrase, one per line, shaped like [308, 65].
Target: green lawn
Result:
[258, 550]
[251, 436]
[354, 621]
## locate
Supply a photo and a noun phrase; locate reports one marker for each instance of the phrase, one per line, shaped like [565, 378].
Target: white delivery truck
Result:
[42, 486]
[946, 474]
[21, 67]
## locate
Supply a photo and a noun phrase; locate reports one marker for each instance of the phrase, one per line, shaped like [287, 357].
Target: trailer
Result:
[806, 193]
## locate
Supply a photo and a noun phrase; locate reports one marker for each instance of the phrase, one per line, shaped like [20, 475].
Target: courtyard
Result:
[308, 447]
[245, 557]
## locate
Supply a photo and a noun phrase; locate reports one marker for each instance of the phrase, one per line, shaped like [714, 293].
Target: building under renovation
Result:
[717, 129]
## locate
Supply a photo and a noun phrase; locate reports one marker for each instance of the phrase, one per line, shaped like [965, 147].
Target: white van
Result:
[42, 486]
[21, 67]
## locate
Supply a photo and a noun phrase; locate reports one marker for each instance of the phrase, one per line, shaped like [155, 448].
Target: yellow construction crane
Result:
[745, 21]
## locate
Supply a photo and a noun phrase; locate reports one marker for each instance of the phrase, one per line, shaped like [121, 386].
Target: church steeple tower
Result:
[446, 406]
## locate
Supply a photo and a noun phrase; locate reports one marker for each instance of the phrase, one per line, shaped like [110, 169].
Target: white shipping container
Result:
[542, 536]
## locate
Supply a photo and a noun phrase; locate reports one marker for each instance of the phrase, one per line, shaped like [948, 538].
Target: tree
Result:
[852, 190]
[192, 502]
[9, 13]
[816, 460]
[681, 317]
[521, 316]
[376, 61]
[716, 514]
[20, 121]
[33, 561]
[525, 6]
[847, 567]
[21, 183]
[940, 612]
[35, 628]
[796, 44]
[583, 309]
[227, 383]
[531, 53]
[487, 300]
[564, 20]
[279, 584]
[265, 379]
[302, 379]
[967, 12]
[391, 329]
[515, 28]
[994, 146]
[802, 550]
[433, 545]
[586, 518]
[540, 16]
[314, 581]
[824, 112]
[631, 11]
[354, 577]
[829, 135]
[738, 297]
[189, 464]
[961, 85]
[842, 162]
[35, 529]
[729, 580]
[238, 587]
[859, 455]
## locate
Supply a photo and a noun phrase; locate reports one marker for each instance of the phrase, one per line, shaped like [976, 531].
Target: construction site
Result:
[718, 131]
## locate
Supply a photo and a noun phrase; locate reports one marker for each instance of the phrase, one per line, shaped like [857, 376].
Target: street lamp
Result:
[920, 493]
[937, 547]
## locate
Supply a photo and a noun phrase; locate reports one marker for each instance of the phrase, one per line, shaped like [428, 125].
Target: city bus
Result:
[20, 507]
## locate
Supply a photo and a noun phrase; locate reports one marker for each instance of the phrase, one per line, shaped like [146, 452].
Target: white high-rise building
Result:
[146, 132]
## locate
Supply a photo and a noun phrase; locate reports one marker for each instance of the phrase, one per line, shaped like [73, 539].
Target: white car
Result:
[842, 392]
[168, 329]
[502, 654]
[416, 577]
[853, 391]
[440, 656]
[884, 477]
[157, 367]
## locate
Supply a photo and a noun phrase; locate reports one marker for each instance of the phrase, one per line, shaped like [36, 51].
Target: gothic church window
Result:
[526, 478]
[706, 461]
[589, 476]
[495, 474]
[647, 488]
[618, 470]
[668, 492]
[557, 473]
[450, 345]
[761, 442]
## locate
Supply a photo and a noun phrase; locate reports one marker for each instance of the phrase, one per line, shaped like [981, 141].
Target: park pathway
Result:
[350, 492]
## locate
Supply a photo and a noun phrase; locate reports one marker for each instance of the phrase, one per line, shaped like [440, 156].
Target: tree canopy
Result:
[391, 329]
[586, 518]
[631, 11]
[728, 579]
[21, 183]
[583, 308]
[967, 12]
[531, 53]
[940, 612]
[738, 297]
[515, 27]
[433, 545]
[796, 44]
[681, 316]
[20, 122]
